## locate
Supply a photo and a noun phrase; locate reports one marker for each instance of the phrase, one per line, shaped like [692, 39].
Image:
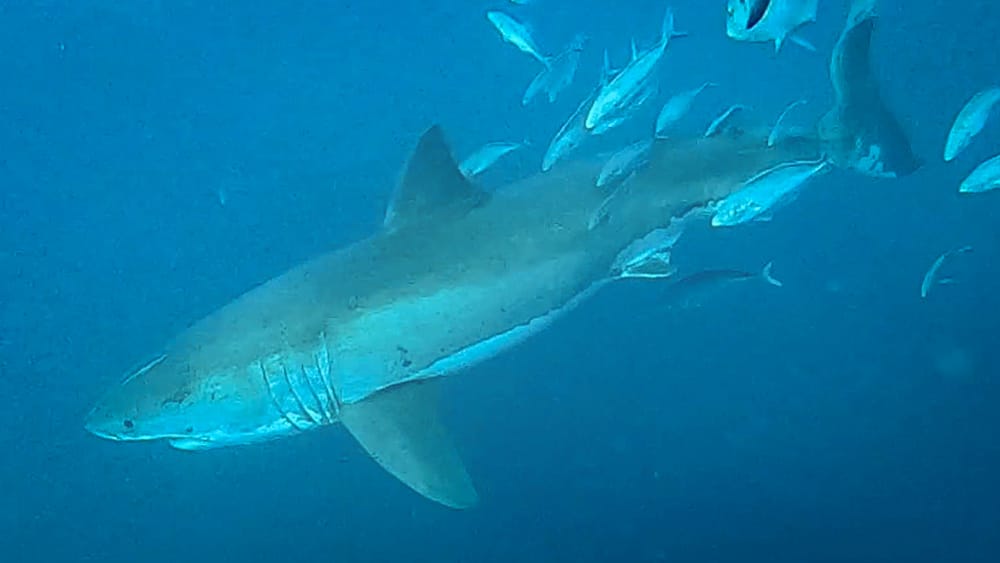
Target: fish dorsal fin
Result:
[606, 69]
[432, 185]
[400, 429]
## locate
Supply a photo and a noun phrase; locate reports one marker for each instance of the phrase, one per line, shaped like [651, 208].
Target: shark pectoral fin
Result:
[432, 185]
[400, 429]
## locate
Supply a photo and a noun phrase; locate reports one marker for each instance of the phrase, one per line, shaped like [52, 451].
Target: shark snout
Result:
[105, 421]
[97, 423]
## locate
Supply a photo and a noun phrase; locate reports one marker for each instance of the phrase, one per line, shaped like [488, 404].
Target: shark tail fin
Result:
[860, 132]
[400, 429]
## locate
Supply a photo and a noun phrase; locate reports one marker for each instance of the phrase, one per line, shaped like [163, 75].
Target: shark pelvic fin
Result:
[400, 429]
[432, 185]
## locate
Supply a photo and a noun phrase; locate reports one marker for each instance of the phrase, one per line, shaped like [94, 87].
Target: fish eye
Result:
[128, 424]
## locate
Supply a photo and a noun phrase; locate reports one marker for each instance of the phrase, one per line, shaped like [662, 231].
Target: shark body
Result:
[455, 276]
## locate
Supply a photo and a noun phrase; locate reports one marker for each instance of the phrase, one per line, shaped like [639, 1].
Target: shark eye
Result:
[129, 425]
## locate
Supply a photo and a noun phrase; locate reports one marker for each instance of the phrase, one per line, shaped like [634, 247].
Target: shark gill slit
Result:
[274, 399]
[320, 403]
[334, 399]
[295, 395]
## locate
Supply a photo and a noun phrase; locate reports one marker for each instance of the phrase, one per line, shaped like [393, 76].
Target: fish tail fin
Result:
[668, 29]
[860, 132]
[803, 42]
[606, 71]
[768, 277]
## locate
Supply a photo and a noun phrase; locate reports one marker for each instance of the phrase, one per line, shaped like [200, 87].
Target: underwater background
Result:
[158, 158]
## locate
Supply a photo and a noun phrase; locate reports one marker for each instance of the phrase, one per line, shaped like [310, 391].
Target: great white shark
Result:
[454, 276]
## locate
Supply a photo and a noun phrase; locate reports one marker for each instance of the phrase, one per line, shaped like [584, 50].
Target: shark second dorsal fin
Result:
[432, 185]
[400, 429]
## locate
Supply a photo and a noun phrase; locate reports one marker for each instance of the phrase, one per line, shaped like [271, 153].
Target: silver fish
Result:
[984, 178]
[516, 33]
[624, 163]
[775, 134]
[569, 136]
[647, 93]
[764, 192]
[970, 121]
[761, 21]
[676, 107]
[573, 132]
[931, 277]
[646, 257]
[558, 75]
[715, 127]
[486, 156]
[627, 86]
[690, 289]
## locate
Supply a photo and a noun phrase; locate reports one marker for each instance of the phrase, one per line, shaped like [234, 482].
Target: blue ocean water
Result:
[840, 418]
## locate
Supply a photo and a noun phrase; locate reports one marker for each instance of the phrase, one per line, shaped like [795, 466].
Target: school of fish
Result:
[621, 92]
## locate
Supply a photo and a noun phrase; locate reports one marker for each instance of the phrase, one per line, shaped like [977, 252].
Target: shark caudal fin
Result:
[860, 132]
[400, 429]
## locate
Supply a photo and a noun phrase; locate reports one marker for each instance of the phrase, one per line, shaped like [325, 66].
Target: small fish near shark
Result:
[356, 338]
[676, 107]
[558, 74]
[516, 33]
[689, 290]
[486, 156]
[762, 21]
[765, 192]
[970, 121]
[629, 84]
[932, 277]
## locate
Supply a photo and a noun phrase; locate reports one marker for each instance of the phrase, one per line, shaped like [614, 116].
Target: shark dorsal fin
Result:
[432, 185]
